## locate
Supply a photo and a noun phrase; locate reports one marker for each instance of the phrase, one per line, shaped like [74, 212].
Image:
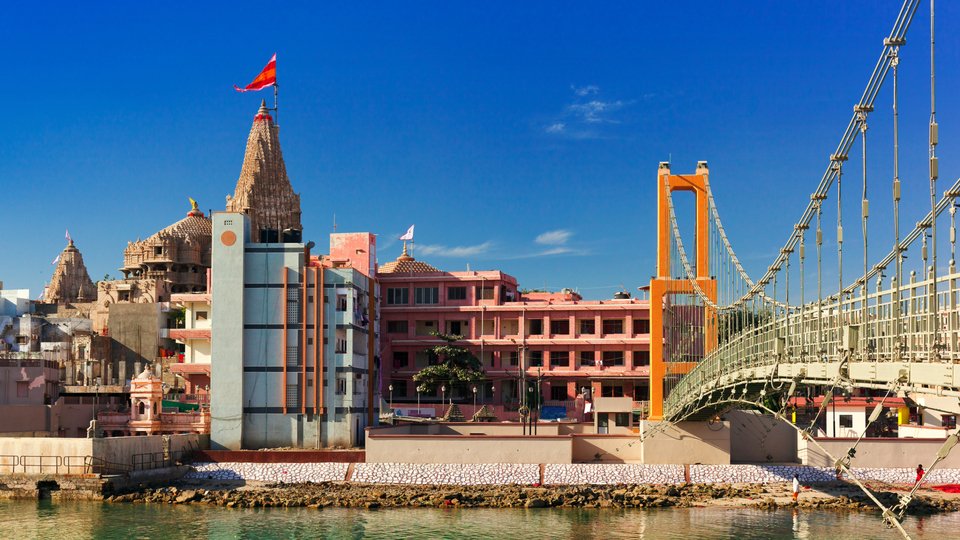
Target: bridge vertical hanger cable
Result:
[862, 111]
[934, 173]
[838, 166]
[803, 300]
[819, 202]
[898, 278]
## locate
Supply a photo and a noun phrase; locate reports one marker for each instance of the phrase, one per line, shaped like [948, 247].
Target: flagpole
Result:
[276, 99]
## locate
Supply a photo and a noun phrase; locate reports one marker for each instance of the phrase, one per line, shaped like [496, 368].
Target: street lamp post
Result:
[418, 400]
[474, 399]
[443, 395]
[391, 398]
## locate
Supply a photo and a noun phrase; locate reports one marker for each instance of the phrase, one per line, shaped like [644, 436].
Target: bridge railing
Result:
[814, 333]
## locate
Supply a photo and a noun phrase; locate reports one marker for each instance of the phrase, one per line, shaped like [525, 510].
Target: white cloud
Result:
[554, 238]
[586, 115]
[556, 127]
[560, 250]
[593, 111]
[456, 251]
[585, 90]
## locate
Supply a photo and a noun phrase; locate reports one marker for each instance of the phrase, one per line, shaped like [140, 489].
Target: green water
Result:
[69, 520]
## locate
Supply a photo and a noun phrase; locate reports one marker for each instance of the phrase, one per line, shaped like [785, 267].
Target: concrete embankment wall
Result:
[549, 474]
[685, 442]
[878, 453]
[63, 455]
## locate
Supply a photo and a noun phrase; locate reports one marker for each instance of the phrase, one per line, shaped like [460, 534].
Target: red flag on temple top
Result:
[267, 77]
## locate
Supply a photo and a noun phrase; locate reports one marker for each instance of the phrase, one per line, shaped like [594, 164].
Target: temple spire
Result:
[263, 191]
[70, 282]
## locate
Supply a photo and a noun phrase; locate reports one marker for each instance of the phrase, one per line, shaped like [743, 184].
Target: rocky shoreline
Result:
[838, 496]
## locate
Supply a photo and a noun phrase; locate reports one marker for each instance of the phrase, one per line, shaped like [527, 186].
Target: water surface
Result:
[71, 520]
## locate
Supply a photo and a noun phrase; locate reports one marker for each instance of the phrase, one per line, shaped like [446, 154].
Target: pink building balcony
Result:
[182, 334]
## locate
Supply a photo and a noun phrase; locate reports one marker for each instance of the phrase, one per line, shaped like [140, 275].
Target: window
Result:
[455, 328]
[560, 326]
[611, 390]
[536, 327]
[201, 315]
[341, 302]
[613, 326]
[588, 326]
[535, 359]
[484, 293]
[641, 392]
[341, 347]
[457, 293]
[622, 419]
[157, 251]
[948, 421]
[512, 358]
[397, 327]
[400, 359]
[398, 296]
[641, 358]
[587, 358]
[23, 389]
[612, 358]
[642, 326]
[123, 296]
[341, 386]
[560, 358]
[846, 420]
[399, 388]
[427, 295]
[558, 393]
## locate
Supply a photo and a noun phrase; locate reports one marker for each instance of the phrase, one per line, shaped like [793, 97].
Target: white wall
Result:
[859, 417]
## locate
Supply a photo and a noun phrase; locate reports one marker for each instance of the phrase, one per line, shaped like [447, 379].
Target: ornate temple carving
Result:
[70, 282]
[263, 190]
[177, 256]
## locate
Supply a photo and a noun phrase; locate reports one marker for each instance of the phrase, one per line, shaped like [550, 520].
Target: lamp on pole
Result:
[443, 395]
[418, 400]
[474, 399]
[391, 398]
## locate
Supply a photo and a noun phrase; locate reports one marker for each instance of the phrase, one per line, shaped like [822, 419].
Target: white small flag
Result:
[408, 235]
[55, 261]
[68, 236]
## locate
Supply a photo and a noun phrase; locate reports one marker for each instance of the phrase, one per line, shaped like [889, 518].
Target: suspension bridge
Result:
[729, 340]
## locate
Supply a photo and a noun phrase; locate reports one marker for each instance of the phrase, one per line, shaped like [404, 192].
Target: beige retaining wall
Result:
[687, 442]
[118, 450]
[878, 453]
[468, 449]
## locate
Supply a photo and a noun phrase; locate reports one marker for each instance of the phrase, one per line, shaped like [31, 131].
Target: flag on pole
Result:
[69, 240]
[267, 77]
[55, 261]
[408, 235]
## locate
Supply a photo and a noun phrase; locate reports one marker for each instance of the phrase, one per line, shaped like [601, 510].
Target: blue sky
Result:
[518, 136]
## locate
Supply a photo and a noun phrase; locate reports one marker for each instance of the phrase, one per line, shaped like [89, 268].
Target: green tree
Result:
[455, 366]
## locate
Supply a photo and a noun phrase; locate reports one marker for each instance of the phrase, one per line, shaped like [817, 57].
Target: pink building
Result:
[559, 340]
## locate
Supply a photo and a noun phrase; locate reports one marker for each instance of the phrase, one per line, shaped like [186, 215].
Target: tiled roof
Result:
[405, 264]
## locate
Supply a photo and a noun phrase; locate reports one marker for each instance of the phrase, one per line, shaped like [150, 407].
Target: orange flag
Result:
[267, 77]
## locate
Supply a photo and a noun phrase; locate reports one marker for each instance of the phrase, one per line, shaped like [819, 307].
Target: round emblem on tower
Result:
[228, 238]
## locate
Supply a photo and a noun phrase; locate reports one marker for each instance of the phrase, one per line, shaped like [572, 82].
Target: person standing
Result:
[919, 472]
[796, 488]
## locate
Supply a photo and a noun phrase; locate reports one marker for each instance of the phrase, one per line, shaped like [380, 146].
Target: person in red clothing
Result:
[919, 472]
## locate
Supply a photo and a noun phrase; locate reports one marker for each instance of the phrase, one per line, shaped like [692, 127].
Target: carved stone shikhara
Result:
[263, 191]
